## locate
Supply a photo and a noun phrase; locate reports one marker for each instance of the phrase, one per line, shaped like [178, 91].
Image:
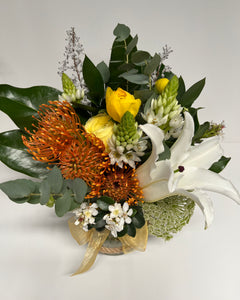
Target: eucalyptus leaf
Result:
[152, 65]
[135, 78]
[63, 204]
[55, 180]
[104, 71]
[19, 189]
[122, 32]
[13, 153]
[132, 45]
[140, 58]
[79, 188]
[44, 190]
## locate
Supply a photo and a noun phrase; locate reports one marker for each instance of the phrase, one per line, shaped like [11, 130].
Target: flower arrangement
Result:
[121, 147]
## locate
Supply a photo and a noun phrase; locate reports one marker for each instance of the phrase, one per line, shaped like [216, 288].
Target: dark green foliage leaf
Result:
[79, 188]
[138, 220]
[118, 64]
[152, 65]
[74, 204]
[194, 114]
[20, 104]
[181, 88]
[14, 154]
[122, 32]
[192, 93]
[55, 180]
[63, 204]
[135, 78]
[127, 68]
[200, 132]
[19, 190]
[143, 95]
[93, 80]
[131, 230]
[166, 154]
[218, 166]
[103, 69]
[124, 231]
[140, 58]
[100, 224]
[44, 190]
[104, 202]
[132, 44]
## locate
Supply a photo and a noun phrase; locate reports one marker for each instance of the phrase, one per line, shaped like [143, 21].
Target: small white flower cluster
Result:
[118, 216]
[78, 96]
[86, 215]
[128, 154]
[165, 116]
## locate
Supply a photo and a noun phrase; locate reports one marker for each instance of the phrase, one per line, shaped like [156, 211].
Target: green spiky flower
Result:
[126, 132]
[165, 111]
[125, 143]
[168, 216]
[70, 92]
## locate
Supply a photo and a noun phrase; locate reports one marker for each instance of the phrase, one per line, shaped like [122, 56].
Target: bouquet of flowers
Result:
[121, 147]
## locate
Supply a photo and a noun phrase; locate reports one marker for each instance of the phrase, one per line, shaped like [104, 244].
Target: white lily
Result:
[158, 179]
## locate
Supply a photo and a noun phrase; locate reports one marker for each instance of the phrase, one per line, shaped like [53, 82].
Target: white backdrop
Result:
[37, 251]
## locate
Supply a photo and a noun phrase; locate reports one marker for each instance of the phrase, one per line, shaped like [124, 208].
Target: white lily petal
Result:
[203, 201]
[156, 135]
[179, 150]
[196, 178]
[204, 154]
[156, 191]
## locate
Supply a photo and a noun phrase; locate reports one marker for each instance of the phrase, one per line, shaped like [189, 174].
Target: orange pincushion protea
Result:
[85, 158]
[122, 184]
[58, 125]
[60, 138]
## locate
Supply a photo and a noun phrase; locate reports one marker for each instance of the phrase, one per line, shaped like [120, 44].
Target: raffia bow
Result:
[95, 240]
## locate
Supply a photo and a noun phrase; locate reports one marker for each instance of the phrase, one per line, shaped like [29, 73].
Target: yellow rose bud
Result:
[118, 102]
[161, 84]
[102, 126]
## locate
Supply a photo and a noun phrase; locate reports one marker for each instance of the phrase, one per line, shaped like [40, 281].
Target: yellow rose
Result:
[102, 126]
[120, 101]
[161, 84]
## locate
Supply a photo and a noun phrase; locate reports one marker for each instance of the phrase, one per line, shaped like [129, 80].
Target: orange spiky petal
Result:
[85, 158]
[58, 124]
[122, 184]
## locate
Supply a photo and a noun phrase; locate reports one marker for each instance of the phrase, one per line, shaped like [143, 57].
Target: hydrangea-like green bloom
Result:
[168, 216]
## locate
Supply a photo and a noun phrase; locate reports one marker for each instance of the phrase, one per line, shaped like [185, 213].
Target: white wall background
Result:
[38, 253]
